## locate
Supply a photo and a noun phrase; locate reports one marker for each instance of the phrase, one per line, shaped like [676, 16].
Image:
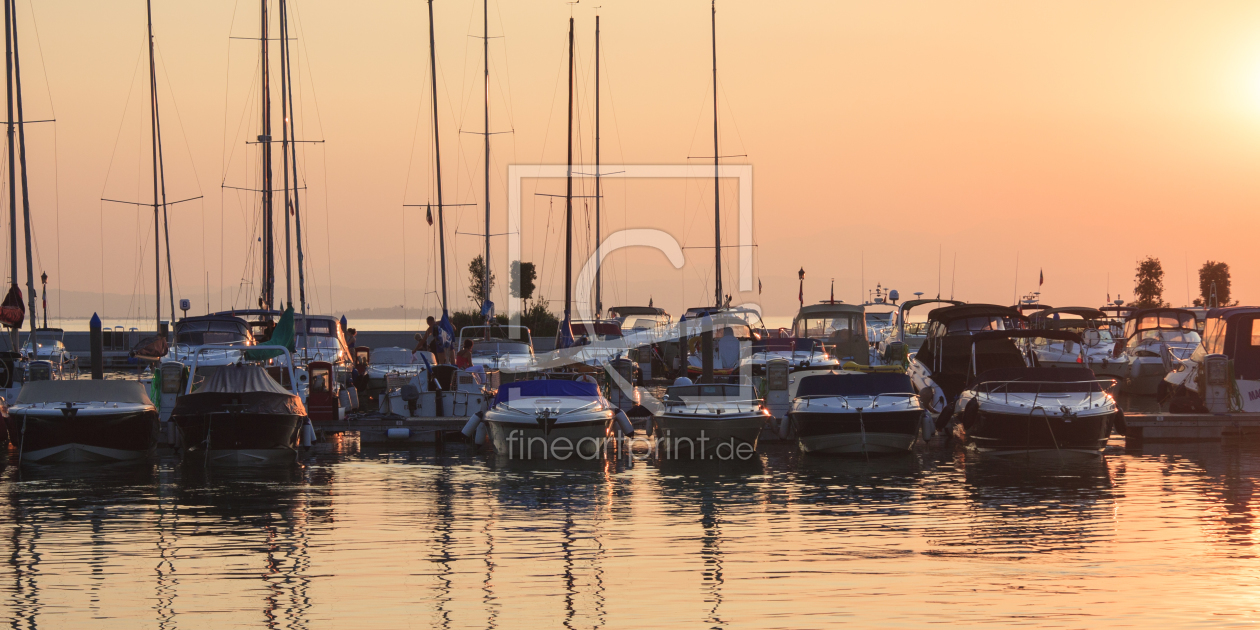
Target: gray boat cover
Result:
[237, 379]
[81, 391]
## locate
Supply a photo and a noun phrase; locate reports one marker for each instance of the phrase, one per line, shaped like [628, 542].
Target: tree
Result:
[1149, 283]
[1213, 272]
[523, 277]
[477, 279]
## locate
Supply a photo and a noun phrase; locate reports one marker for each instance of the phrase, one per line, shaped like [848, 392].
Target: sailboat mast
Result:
[599, 235]
[264, 140]
[485, 43]
[291, 157]
[8, 54]
[437, 155]
[159, 185]
[26, 200]
[568, 195]
[284, 150]
[717, 214]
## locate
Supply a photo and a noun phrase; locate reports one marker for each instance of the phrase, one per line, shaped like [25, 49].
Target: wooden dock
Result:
[384, 429]
[1145, 428]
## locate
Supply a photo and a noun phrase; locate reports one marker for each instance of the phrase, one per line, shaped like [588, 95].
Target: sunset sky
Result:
[1076, 136]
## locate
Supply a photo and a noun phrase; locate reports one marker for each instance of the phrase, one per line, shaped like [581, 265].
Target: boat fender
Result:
[971, 413]
[785, 428]
[1118, 423]
[354, 397]
[343, 398]
[470, 427]
[624, 424]
[308, 434]
[942, 420]
[649, 426]
[929, 427]
[480, 439]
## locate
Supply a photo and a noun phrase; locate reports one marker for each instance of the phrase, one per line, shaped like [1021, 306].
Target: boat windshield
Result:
[45, 344]
[1169, 336]
[916, 328]
[879, 319]
[855, 385]
[1041, 380]
[827, 326]
[498, 347]
[978, 324]
[786, 344]
[701, 392]
[209, 332]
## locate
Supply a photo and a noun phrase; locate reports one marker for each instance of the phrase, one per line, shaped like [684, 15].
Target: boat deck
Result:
[1191, 427]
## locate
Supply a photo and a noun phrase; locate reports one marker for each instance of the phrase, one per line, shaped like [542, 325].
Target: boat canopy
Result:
[1083, 312]
[236, 379]
[1160, 319]
[826, 308]
[623, 311]
[547, 388]
[948, 314]
[1235, 333]
[211, 329]
[855, 384]
[1034, 379]
[1028, 333]
[82, 391]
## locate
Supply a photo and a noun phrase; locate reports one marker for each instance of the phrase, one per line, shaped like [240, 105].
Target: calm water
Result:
[355, 537]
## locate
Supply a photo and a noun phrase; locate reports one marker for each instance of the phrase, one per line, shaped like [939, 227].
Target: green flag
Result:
[283, 336]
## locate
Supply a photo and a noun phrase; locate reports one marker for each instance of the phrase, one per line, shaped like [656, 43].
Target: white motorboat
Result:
[395, 364]
[1222, 375]
[507, 349]
[939, 369]
[228, 332]
[1098, 351]
[549, 419]
[856, 412]
[1027, 410]
[709, 421]
[732, 328]
[71, 421]
[899, 342]
[800, 353]
[1156, 340]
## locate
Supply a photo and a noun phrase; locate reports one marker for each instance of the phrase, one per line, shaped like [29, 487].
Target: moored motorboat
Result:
[1027, 410]
[840, 327]
[65, 421]
[709, 420]
[904, 338]
[939, 369]
[856, 412]
[241, 414]
[1099, 347]
[1157, 340]
[549, 419]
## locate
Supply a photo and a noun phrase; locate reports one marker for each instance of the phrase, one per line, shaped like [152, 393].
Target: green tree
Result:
[477, 279]
[1213, 272]
[1149, 283]
[523, 277]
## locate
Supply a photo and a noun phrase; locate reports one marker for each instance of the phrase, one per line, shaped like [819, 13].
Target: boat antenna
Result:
[953, 276]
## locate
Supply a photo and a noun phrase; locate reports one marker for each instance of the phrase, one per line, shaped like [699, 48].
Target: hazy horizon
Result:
[887, 141]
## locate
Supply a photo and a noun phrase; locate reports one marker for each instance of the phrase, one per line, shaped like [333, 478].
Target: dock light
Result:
[801, 274]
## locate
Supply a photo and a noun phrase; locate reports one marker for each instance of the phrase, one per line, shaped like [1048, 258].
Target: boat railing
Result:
[872, 397]
[1004, 387]
[710, 405]
[557, 410]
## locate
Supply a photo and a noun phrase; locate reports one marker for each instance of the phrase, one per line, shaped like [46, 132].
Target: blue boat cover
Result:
[547, 388]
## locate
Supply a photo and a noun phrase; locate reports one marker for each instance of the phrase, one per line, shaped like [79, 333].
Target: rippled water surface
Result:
[355, 537]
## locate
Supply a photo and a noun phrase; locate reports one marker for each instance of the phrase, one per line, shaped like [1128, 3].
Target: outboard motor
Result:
[411, 395]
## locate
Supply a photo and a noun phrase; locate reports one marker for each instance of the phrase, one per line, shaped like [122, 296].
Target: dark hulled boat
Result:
[856, 412]
[240, 414]
[66, 421]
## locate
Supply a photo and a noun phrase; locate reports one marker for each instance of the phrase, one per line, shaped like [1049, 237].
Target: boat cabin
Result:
[639, 317]
[1168, 325]
[841, 328]
[205, 330]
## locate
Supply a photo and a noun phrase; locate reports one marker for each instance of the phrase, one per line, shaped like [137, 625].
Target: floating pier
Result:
[386, 429]
[1145, 428]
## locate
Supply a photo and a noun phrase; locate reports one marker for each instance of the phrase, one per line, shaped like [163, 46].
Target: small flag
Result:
[649, 302]
[428, 215]
[1043, 278]
[1109, 298]
[758, 286]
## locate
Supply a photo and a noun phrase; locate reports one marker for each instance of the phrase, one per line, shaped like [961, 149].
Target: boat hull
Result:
[689, 435]
[1021, 433]
[228, 437]
[56, 437]
[844, 433]
[584, 439]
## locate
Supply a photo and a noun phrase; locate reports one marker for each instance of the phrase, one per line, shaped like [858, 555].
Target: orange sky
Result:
[1079, 136]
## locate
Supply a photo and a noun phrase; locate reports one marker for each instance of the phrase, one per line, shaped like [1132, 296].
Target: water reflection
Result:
[458, 538]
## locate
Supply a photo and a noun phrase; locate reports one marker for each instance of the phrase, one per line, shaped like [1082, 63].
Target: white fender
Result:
[308, 434]
[354, 397]
[929, 427]
[472, 426]
[481, 435]
[785, 427]
[624, 423]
